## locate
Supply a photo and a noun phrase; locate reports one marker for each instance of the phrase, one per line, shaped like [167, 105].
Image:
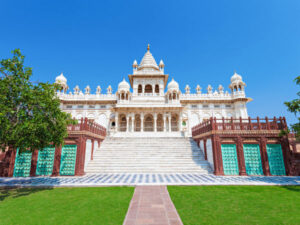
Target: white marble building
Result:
[150, 106]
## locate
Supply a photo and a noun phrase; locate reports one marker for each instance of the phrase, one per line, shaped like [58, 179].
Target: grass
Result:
[237, 204]
[104, 205]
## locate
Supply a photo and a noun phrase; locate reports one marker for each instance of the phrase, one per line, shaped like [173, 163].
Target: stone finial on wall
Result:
[187, 89]
[76, 90]
[109, 90]
[209, 89]
[198, 89]
[87, 90]
[221, 89]
[98, 90]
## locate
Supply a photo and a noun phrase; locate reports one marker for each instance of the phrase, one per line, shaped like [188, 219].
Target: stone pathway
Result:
[135, 179]
[152, 205]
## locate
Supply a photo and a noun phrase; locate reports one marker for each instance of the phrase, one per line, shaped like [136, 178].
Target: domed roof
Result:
[173, 85]
[124, 85]
[236, 77]
[61, 79]
[148, 61]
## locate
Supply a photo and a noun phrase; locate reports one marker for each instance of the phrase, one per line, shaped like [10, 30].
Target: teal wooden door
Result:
[275, 158]
[68, 160]
[22, 164]
[45, 161]
[252, 159]
[230, 161]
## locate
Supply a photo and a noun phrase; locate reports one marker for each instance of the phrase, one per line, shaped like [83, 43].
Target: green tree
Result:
[294, 107]
[30, 114]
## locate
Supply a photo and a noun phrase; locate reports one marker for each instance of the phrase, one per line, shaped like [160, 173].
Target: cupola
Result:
[124, 86]
[237, 83]
[173, 85]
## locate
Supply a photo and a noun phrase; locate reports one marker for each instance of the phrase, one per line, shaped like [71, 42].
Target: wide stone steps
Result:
[148, 155]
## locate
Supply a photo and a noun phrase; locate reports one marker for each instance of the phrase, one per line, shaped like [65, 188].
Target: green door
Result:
[275, 158]
[22, 164]
[45, 161]
[230, 161]
[68, 160]
[252, 159]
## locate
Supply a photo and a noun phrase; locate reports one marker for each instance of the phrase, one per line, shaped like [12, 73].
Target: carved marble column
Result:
[155, 120]
[165, 126]
[180, 121]
[170, 123]
[132, 122]
[127, 123]
[142, 122]
[116, 121]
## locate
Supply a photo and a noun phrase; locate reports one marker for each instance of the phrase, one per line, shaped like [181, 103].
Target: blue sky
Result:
[201, 42]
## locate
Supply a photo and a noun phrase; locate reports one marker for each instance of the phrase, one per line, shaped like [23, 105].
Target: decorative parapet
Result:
[84, 125]
[256, 124]
[80, 97]
[214, 96]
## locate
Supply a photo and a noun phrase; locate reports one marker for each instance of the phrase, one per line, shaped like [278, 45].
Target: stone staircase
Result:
[148, 155]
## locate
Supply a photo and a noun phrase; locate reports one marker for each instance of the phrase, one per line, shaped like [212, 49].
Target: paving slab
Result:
[152, 205]
[136, 179]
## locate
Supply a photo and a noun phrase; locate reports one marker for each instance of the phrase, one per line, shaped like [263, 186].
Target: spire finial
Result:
[148, 48]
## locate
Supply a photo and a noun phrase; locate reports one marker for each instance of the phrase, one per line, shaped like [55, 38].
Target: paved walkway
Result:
[134, 179]
[152, 205]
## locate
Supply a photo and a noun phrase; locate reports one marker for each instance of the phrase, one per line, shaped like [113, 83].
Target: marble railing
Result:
[200, 96]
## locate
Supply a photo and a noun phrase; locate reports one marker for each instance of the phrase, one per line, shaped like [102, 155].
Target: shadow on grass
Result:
[291, 188]
[13, 192]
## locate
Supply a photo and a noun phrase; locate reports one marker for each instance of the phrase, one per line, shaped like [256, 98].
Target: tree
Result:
[294, 107]
[30, 114]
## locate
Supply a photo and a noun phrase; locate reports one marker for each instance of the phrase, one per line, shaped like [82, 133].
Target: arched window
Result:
[148, 88]
[156, 88]
[174, 95]
[140, 88]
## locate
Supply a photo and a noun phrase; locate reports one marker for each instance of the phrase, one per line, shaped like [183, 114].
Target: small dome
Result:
[236, 77]
[61, 79]
[124, 86]
[173, 85]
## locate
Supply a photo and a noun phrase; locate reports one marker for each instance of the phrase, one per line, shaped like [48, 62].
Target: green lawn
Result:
[104, 205]
[237, 204]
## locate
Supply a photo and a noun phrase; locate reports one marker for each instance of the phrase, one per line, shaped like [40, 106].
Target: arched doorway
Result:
[140, 88]
[160, 123]
[148, 123]
[148, 88]
[137, 121]
[123, 123]
[156, 88]
[174, 122]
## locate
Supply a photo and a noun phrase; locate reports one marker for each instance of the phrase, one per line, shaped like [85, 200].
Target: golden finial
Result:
[148, 48]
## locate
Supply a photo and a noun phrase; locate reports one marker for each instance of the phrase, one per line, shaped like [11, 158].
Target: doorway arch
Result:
[148, 123]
